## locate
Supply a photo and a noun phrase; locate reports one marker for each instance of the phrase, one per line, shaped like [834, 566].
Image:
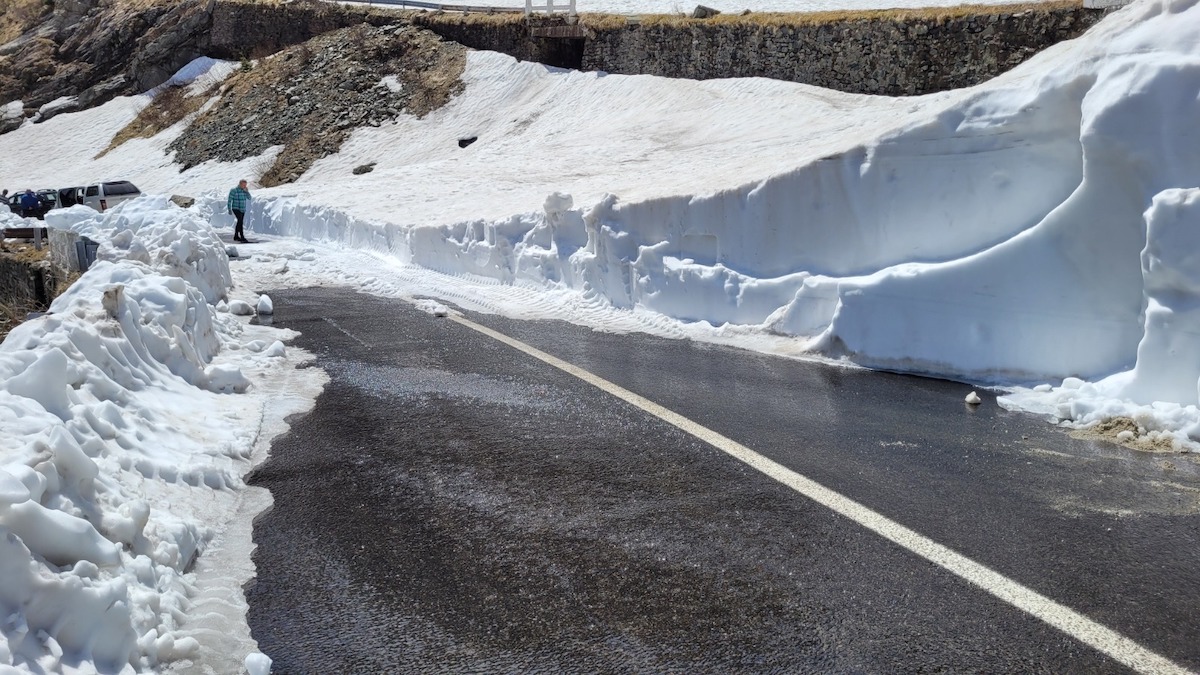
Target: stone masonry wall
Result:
[115, 49]
[27, 284]
[868, 56]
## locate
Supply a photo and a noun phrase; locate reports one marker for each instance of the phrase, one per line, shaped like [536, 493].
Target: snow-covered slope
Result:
[992, 234]
[1038, 228]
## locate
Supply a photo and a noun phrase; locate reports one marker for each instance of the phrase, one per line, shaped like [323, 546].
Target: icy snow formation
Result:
[121, 447]
[1037, 228]
[991, 234]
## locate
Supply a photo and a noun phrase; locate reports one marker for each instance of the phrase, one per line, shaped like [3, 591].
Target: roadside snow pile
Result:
[154, 231]
[116, 449]
[1162, 391]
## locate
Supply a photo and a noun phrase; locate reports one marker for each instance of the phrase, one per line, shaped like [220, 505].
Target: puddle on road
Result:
[409, 383]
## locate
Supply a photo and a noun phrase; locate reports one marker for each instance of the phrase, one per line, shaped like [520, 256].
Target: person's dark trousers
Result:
[238, 234]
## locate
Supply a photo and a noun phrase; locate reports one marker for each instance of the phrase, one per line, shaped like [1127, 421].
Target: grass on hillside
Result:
[465, 19]
[19, 16]
[171, 105]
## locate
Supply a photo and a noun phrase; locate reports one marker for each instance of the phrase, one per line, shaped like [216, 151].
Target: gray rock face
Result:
[308, 98]
[8, 124]
[98, 50]
[888, 56]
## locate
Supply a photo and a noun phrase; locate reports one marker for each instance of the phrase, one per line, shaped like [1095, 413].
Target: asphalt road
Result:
[455, 506]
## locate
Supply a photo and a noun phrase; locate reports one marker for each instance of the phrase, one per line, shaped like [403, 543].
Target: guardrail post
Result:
[528, 8]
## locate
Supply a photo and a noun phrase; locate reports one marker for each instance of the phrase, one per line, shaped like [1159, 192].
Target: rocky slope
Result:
[94, 50]
[308, 98]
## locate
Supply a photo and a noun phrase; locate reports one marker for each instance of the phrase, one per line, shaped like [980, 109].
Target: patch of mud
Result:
[1126, 432]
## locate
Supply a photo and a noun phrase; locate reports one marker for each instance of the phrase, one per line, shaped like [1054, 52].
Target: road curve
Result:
[453, 505]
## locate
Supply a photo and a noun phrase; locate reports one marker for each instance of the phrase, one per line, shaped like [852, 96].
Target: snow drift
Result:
[119, 448]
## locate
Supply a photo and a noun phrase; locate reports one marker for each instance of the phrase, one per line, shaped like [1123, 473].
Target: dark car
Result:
[47, 199]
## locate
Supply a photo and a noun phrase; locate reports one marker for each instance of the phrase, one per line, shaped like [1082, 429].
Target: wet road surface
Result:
[454, 506]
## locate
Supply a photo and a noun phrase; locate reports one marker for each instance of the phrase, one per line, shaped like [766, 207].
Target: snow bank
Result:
[992, 235]
[1161, 392]
[118, 446]
[154, 231]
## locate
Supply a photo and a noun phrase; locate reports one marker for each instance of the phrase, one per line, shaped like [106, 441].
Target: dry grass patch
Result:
[466, 19]
[170, 106]
[928, 14]
[24, 253]
[12, 311]
[1125, 431]
[12, 314]
[19, 16]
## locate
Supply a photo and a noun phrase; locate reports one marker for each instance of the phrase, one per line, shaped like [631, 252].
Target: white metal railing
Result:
[549, 7]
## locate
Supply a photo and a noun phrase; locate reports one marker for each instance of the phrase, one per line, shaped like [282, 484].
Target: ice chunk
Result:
[258, 664]
[58, 537]
[240, 308]
[12, 490]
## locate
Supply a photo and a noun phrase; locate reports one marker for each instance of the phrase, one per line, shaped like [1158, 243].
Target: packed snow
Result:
[1036, 230]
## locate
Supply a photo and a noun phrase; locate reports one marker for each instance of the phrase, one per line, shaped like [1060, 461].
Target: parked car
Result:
[103, 196]
[70, 196]
[47, 199]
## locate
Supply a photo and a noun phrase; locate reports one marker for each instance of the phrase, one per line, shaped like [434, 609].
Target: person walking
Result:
[239, 198]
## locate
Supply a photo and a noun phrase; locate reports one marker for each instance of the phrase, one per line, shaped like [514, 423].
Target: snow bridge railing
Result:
[549, 8]
[420, 4]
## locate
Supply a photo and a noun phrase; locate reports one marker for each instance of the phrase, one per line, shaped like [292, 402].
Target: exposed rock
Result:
[103, 92]
[343, 75]
[183, 202]
[97, 50]
[902, 52]
[702, 12]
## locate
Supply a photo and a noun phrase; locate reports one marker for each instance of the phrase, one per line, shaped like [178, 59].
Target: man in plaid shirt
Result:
[239, 197]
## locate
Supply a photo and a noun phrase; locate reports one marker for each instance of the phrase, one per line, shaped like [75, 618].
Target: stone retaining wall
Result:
[115, 49]
[23, 283]
[867, 56]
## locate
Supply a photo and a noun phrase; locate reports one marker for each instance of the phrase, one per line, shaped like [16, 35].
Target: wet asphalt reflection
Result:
[453, 506]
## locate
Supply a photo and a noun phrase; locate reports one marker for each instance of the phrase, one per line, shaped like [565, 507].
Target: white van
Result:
[104, 196]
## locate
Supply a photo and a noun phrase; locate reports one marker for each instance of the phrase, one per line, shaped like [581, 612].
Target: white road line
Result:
[1060, 616]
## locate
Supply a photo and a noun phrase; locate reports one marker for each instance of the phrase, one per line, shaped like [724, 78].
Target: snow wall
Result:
[1000, 241]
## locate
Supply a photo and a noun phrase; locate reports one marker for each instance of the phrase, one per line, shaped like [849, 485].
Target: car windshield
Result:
[120, 188]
